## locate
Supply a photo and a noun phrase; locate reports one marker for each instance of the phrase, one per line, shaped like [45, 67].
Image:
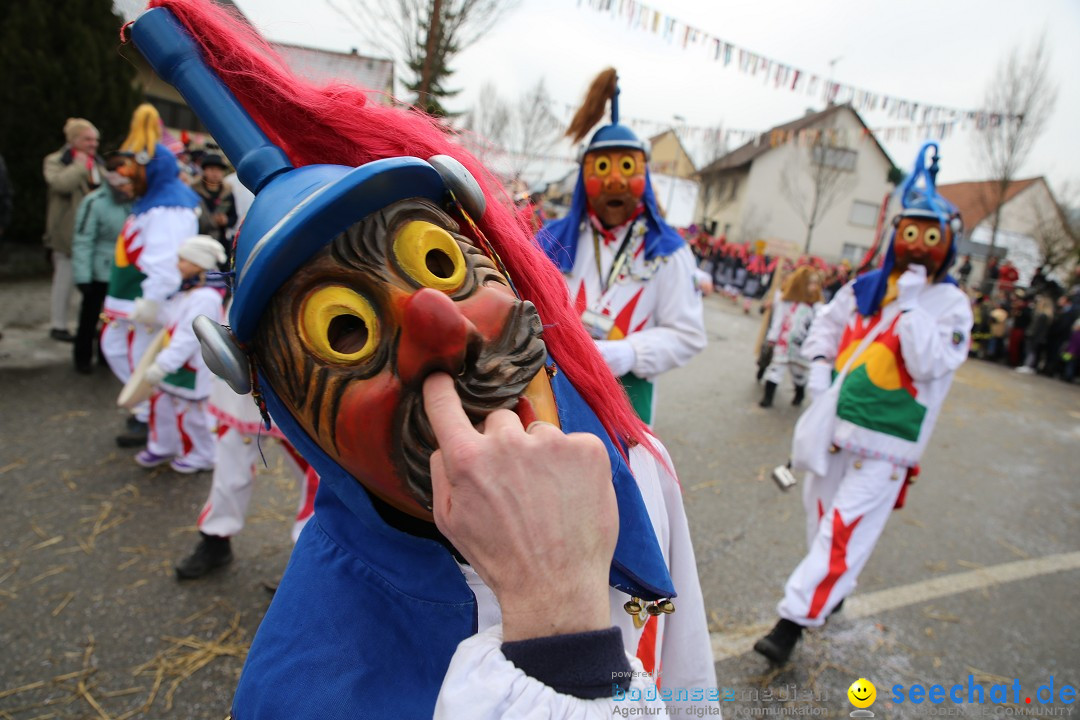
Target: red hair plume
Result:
[338, 124]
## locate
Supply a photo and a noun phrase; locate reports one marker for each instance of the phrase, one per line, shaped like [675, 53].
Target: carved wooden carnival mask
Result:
[614, 183]
[347, 341]
[922, 241]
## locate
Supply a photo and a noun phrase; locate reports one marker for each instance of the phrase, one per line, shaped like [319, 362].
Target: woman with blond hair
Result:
[70, 174]
[791, 318]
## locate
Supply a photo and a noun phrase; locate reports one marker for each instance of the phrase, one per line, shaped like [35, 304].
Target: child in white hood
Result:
[179, 423]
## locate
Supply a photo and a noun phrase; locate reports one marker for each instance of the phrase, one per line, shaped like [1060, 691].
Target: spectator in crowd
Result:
[1039, 281]
[965, 271]
[70, 174]
[1021, 319]
[98, 222]
[991, 275]
[1071, 354]
[999, 328]
[1008, 278]
[1057, 338]
[1036, 336]
[218, 214]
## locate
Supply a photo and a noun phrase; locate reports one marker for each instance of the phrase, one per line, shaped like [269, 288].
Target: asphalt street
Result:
[976, 580]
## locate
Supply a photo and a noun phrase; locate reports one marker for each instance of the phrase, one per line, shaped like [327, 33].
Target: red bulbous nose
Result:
[435, 336]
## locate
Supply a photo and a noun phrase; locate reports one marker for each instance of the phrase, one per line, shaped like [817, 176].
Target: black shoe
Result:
[135, 435]
[770, 390]
[780, 641]
[61, 335]
[800, 393]
[211, 553]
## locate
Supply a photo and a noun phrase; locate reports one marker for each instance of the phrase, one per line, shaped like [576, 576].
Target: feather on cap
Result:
[604, 87]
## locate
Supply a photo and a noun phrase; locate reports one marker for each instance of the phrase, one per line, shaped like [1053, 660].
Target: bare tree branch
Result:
[534, 130]
[1054, 230]
[1018, 102]
[400, 29]
[812, 182]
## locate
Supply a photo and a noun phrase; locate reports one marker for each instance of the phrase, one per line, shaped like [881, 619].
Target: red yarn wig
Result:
[338, 124]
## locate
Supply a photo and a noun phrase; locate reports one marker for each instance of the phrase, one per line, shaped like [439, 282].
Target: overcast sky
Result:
[931, 51]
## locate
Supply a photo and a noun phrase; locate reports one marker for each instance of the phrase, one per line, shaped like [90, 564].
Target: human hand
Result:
[220, 220]
[154, 374]
[618, 354]
[910, 285]
[146, 311]
[532, 510]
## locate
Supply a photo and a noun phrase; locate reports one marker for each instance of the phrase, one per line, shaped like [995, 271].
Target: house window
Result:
[840, 158]
[864, 214]
[853, 253]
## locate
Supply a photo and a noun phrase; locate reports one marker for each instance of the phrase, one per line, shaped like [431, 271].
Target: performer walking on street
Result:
[630, 275]
[895, 336]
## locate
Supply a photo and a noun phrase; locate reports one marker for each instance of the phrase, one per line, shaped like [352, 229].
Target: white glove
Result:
[618, 354]
[910, 284]
[154, 374]
[145, 312]
[703, 282]
[820, 378]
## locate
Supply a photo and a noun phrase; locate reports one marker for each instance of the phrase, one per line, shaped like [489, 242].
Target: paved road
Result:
[978, 576]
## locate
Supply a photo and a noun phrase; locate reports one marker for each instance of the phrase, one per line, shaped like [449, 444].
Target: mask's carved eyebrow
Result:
[365, 245]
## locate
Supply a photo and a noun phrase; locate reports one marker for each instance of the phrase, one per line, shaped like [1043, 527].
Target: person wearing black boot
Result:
[792, 313]
[885, 350]
[134, 435]
[800, 393]
[770, 391]
[211, 553]
[780, 641]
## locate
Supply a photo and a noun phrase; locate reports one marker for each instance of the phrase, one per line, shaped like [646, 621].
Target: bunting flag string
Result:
[642, 17]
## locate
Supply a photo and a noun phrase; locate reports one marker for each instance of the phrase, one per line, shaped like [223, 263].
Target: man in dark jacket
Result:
[218, 214]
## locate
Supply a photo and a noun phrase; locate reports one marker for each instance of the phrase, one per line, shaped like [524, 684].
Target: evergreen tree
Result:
[58, 59]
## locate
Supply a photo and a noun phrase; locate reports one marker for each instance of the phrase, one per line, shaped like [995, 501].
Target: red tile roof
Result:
[975, 200]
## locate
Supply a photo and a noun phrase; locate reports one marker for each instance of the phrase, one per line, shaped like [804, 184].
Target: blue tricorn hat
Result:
[296, 211]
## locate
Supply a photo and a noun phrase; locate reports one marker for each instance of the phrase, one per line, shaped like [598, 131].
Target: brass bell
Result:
[654, 610]
[666, 606]
[632, 606]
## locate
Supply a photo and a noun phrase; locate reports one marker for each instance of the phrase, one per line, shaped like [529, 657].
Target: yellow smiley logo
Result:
[862, 693]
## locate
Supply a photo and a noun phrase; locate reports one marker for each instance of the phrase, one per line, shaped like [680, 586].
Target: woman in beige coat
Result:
[70, 174]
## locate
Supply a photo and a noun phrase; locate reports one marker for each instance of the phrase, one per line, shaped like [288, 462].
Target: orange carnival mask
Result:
[614, 183]
[922, 241]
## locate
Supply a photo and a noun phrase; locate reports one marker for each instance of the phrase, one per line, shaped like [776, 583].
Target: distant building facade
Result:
[765, 189]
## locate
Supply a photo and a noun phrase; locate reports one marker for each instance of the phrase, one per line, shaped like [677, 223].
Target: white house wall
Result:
[1016, 233]
[764, 194]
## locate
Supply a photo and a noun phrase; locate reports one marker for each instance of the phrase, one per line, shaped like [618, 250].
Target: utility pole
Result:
[429, 52]
[828, 85]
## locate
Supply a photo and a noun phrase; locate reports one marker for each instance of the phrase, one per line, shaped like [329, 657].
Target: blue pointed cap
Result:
[616, 135]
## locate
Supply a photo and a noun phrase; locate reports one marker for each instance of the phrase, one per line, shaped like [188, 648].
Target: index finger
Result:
[445, 413]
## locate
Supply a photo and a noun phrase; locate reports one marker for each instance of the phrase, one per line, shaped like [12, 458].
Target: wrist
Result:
[534, 614]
